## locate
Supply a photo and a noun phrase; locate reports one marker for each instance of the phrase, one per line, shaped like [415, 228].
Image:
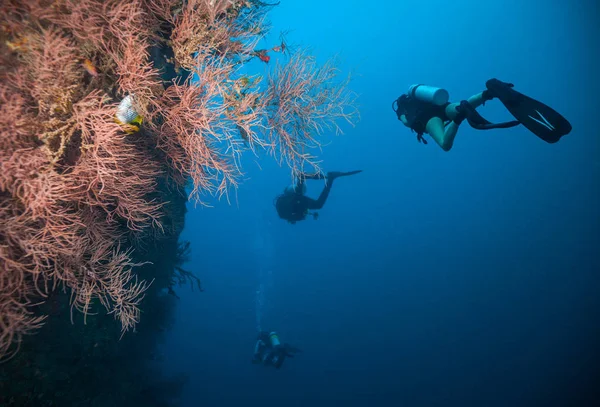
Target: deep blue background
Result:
[467, 278]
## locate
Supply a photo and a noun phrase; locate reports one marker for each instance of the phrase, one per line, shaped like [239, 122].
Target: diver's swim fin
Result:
[337, 174]
[345, 174]
[540, 119]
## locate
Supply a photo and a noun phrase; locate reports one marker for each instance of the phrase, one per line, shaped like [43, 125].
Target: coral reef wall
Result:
[109, 111]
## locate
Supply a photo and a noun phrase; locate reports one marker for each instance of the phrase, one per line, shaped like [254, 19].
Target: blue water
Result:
[467, 278]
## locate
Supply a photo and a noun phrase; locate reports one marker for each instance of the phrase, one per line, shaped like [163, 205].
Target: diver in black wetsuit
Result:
[426, 110]
[293, 205]
[269, 351]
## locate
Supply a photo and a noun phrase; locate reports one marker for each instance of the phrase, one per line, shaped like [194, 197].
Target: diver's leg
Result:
[301, 185]
[318, 175]
[318, 204]
[475, 101]
[478, 99]
[329, 178]
[443, 136]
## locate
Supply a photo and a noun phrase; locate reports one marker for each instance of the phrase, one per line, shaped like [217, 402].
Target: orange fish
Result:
[262, 55]
[89, 67]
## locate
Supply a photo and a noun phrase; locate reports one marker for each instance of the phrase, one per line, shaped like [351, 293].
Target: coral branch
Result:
[302, 102]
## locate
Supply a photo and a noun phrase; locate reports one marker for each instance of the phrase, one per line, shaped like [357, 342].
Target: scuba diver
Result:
[425, 109]
[293, 205]
[269, 351]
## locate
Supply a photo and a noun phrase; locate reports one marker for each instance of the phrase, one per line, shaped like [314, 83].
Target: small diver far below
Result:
[426, 110]
[269, 351]
[293, 205]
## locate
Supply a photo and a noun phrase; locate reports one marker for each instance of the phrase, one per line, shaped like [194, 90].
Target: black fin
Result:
[346, 174]
[336, 174]
[538, 118]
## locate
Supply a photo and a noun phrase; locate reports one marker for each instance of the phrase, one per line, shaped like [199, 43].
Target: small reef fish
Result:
[262, 55]
[89, 67]
[279, 48]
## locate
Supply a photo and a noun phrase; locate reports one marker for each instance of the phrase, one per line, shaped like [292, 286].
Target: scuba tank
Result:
[278, 353]
[419, 105]
[274, 338]
[429, 94]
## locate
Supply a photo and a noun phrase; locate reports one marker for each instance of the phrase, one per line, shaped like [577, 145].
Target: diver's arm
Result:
[443, 136]
[404, 121]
